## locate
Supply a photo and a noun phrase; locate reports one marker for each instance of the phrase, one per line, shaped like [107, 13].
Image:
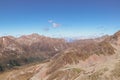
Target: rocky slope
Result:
[27, 49]
[88, 60]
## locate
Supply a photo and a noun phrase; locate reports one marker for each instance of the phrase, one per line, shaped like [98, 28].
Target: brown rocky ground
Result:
[90, 59]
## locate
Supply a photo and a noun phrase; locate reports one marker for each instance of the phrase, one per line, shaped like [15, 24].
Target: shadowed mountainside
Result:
[27, 49]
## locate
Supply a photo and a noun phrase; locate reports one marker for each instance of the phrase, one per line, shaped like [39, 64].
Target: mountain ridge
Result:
[76, 61]
[86, 59]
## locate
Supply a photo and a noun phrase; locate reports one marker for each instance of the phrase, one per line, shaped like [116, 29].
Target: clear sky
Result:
[59, 18]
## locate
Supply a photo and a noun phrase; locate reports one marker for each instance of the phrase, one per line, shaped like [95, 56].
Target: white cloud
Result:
[55, 25]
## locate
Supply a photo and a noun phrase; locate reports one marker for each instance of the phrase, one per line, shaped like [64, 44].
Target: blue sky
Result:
[59, 18]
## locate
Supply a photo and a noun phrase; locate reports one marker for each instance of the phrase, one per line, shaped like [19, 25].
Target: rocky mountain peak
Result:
[117, 34]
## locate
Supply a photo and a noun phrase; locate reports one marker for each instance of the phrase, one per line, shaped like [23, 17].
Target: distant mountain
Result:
[27, 49]
[88, 59]
[85, 59]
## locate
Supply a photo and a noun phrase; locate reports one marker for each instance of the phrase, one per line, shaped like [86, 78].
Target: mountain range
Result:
[85, 59]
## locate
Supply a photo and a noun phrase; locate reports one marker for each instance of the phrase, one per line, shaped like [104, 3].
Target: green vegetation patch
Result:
[78, 70]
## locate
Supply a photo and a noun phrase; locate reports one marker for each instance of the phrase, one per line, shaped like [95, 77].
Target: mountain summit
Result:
[86, 59]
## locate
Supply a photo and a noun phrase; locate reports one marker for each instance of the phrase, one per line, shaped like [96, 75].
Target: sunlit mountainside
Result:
[86, 59]
[59, 39]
